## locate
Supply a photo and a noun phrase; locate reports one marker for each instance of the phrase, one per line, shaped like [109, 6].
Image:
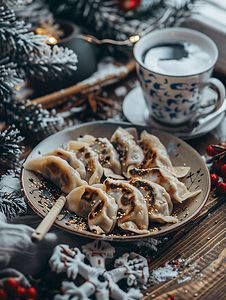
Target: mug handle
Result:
[218, 86]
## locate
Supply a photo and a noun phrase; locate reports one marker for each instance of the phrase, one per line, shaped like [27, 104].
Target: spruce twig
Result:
[9, 148]
[24, 54]
[12, 204]
[105, 19]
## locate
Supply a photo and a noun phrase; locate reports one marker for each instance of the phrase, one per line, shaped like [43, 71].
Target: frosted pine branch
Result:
[56, 63]
[31, 120]
[12, 204]
[25, 54]
[8, 79]
[15, 40]
[9, 148]
[105, 19]
[13, 3]
[33, 13]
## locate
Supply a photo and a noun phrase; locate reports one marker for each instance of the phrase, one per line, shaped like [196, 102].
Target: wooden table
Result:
[198, 248]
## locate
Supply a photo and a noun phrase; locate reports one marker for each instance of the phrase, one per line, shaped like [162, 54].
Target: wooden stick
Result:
[48, 221]
[60, 97]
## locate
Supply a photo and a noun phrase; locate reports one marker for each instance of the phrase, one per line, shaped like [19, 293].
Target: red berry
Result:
[168, 298]
[11, 284]
[31, 293]
[129, 4]
[163, 265]
[3, 295]
[20, 292]
[221, 187]
[218, 165]
[174, 269]
[172, 297]
[223, 170]
[176, 262]
[210, 151]
[214, 179]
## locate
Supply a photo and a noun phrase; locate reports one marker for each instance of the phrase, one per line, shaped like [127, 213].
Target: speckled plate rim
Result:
[184, 153]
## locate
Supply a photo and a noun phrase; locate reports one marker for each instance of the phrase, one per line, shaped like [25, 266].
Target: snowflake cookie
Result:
[99, 281]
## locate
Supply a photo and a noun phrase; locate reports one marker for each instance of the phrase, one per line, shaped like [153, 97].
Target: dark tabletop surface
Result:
[199, 247]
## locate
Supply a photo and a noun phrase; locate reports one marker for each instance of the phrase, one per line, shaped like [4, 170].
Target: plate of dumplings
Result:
[121, 181]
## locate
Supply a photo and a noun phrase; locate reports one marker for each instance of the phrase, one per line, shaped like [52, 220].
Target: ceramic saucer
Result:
[135, 110]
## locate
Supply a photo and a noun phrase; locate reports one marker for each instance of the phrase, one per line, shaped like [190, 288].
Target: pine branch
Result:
[10, 31]
[12, 204]
[28, 49]
[32, 120]
[8, 79]
[56, 63]
[33, 13]
[181, 11]
[13, 3]
[105, 19]
[24, 54]
[9, 148]
[15, 38]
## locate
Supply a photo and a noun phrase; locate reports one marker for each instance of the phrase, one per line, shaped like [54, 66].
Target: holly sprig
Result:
[217, 154]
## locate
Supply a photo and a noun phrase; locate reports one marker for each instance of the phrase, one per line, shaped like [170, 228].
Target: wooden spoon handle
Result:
[48, 221]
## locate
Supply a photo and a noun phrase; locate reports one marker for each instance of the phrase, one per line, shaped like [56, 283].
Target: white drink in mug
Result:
[174, 65]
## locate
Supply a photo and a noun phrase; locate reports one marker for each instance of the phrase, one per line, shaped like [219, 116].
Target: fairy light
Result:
[134, 38]
[51, 39]
[39, 31]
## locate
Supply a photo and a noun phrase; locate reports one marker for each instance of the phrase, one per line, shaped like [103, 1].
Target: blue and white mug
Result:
[173, 89]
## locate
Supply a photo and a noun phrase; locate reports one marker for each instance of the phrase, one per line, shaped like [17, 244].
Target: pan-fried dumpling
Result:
[177, 189]
[96, 205]
[130, 154]
[107, 155]
[132, 208]
[89, 158]
[155, 155]
[159, 203]
[57, 170]
[71, 158]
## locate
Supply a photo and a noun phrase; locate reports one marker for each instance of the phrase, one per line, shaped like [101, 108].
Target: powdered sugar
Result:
[184, 279]
[164, 273]
[120, 91]
[105, 68]
[173, 269]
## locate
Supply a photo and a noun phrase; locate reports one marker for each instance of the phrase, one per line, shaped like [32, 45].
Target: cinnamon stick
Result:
[60, 97]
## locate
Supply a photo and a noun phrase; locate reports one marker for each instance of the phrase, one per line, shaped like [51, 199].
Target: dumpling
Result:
[155, 155]
[89, 158]
[71, 158]
[130, 154]
[57, 170]
[96, 205]
[159, 203]
[107, 155]
[132, 208]
[177, 189]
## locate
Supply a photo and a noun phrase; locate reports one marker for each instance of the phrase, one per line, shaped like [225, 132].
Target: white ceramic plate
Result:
[41, 194]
